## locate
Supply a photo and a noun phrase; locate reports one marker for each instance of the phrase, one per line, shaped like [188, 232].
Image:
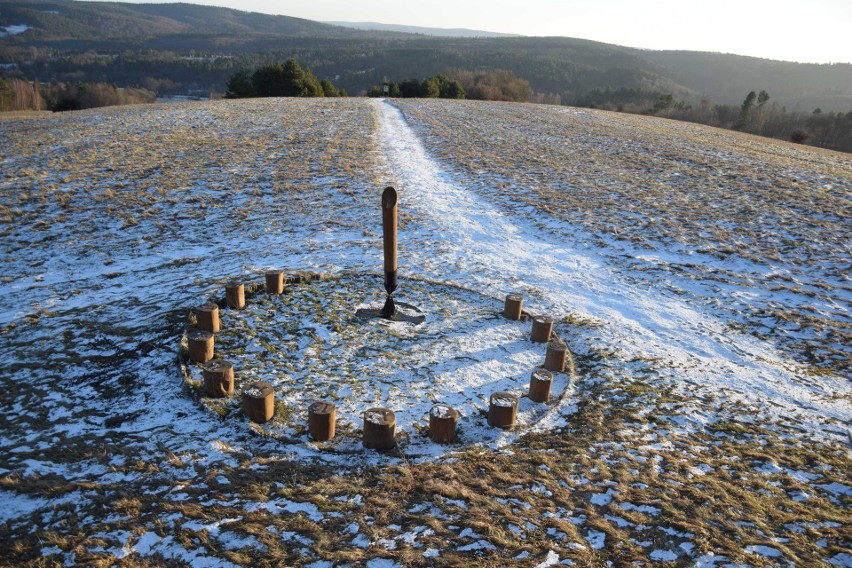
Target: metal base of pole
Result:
[405, 313]
[389, 308]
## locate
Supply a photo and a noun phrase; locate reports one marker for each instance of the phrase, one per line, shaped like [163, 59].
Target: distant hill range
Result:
[187, 48]
[438, 32]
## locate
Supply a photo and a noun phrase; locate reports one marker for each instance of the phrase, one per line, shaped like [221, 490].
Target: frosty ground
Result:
[699, 277]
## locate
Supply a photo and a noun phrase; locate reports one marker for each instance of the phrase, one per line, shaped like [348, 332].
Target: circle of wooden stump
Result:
[275, 281]
[554, 360]
[321, 420]
[207, 317]
[218, 378]
[540, 382]
[200, 346]
[259, 402]
[513, 307]
[502, 410]
[235, 295]
[258, 398]
[379, 427]
[442, 424]
[542, 326]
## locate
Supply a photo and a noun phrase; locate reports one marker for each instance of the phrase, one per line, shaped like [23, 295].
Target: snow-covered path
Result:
[462, 237]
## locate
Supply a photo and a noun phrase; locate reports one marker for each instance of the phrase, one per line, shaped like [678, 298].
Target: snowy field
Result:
[700, 279]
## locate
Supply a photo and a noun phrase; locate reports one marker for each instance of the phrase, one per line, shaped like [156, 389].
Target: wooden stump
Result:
[442, 424]
[200, 346]
[275, 281]
[502, 410]
[207, 317]
[218, 378]
[554, 360]
[321, 420]
[513, 307]
[235, 295]
[540, 383]
[259, 402]
[542, 327]
[379, 427]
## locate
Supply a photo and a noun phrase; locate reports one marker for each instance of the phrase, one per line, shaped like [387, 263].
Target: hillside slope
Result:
[138, 42]
[54, 20]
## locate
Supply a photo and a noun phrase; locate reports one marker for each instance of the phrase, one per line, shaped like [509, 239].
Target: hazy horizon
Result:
[808, 32]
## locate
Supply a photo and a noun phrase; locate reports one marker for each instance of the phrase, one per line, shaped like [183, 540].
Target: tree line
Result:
[493, 85]
[20, 94]
[279, 80]
[756, 115]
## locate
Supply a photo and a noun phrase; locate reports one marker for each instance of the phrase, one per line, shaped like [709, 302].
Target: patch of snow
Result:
[478, 545]
[836, 489]
[762, 550]
[708, 560]
[663, 555]
[602, 499]
[596, 539]
[551, 559]
[842, 559]
[14, 30]
[16, 505]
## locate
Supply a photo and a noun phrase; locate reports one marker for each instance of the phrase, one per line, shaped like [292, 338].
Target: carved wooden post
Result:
[259, 402]
[502, 410]
[275, 281]
[442, 424]
[200, 346]
[554, 360]
[235, 295]
[513, 306]
[542, 326]
[379, 427]
[218, 378]
[389, 201]
[207, 317]
[540, 382]
[321, 420]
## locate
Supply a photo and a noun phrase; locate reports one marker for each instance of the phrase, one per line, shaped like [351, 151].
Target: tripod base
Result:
[389, 308]
[405, 313]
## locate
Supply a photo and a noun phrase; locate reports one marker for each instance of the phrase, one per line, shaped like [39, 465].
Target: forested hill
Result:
[181, 48]
[63, 20]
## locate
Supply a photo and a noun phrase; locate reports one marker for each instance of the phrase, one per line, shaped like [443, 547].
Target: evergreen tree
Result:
[294, 81]
[410, 88]
[310, 86]
[450, 89]
[269, 81]
[746, 111]
[328, 89]
[7, 96]
[431, 88]
[240, 85]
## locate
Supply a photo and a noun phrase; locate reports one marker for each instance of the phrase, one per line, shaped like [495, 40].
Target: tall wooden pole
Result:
[389, 235]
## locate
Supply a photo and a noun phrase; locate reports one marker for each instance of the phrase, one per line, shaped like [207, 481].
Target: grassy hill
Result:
[698, 277]
[135, 44]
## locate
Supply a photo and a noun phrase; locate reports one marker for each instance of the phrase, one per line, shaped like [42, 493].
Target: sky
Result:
[808, 31]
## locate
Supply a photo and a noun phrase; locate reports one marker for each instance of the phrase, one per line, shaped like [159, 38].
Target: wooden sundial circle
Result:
[312, 317]
[324, 363]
